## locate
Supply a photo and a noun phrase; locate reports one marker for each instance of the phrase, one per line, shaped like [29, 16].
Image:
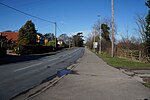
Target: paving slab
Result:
[93, 79]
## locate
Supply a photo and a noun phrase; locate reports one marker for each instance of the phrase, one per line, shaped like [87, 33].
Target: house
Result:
[60, 42]
[40, 38]
[11, 36]
[49, 37]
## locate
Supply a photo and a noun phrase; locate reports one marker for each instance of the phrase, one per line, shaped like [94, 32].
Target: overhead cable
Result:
[29, 15]
[26, 13]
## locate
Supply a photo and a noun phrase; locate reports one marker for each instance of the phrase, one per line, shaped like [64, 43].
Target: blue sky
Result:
[71, 15]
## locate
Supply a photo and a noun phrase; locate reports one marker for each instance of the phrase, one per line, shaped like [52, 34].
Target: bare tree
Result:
[141, 24]
[129, 42]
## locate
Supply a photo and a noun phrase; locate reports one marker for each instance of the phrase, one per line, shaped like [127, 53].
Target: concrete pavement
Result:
[93, 79]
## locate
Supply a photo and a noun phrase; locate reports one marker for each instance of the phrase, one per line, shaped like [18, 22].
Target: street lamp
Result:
[94, 43]
[100, 41]
[55, 32]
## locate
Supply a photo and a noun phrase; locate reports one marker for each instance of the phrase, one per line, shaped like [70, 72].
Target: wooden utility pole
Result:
[112, 41]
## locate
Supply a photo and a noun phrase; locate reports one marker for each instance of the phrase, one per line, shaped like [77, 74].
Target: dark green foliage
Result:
[50, 36]
[8, 31]
[105, 32]
[3, 40]
[148, 3]
[147, 32]
[50, 43]
[27, 34]
[36, 49]
[77, 40]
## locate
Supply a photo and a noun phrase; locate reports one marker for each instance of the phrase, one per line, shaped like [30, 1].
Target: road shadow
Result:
[16, 58]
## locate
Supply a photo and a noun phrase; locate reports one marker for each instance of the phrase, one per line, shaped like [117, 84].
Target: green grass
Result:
[123, 63]
[147, 84]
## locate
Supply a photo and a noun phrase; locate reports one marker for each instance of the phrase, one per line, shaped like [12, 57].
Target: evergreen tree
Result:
[105, 32]
[27, 34]
[3, 40]
[77, 39]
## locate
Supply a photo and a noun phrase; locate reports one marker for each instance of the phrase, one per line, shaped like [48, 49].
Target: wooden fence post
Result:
[140, 55]
[131, 55]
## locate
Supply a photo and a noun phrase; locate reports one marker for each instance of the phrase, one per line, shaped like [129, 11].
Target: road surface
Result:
[18, 77]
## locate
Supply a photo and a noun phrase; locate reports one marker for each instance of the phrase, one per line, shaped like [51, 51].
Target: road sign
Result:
[95, 44]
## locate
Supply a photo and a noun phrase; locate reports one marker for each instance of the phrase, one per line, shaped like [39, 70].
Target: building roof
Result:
[10, 35]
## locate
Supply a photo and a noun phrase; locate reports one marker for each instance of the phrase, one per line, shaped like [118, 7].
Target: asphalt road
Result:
[21, 76]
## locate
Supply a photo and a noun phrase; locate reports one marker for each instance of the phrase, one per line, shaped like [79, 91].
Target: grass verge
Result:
[147, 84]
[123, 63]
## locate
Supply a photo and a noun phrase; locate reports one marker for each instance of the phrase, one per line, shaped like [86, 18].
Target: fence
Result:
[130, 54]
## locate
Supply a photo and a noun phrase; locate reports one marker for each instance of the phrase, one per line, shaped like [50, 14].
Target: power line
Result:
[31, 15]
[26, 13]
[59, 28]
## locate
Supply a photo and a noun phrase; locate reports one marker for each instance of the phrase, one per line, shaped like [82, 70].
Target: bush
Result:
[33, 49]
[50, 43]
[3, 51]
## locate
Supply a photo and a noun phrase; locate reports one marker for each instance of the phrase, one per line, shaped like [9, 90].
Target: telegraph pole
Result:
[112, 42]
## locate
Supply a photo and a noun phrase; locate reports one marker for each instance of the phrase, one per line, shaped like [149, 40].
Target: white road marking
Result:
[53, 59]
[49, 60]
[27, 67]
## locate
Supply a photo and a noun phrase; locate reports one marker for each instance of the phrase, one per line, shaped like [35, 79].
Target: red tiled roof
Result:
[11, 35]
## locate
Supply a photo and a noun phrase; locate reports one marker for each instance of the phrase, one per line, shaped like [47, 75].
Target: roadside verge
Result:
[138, 70]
